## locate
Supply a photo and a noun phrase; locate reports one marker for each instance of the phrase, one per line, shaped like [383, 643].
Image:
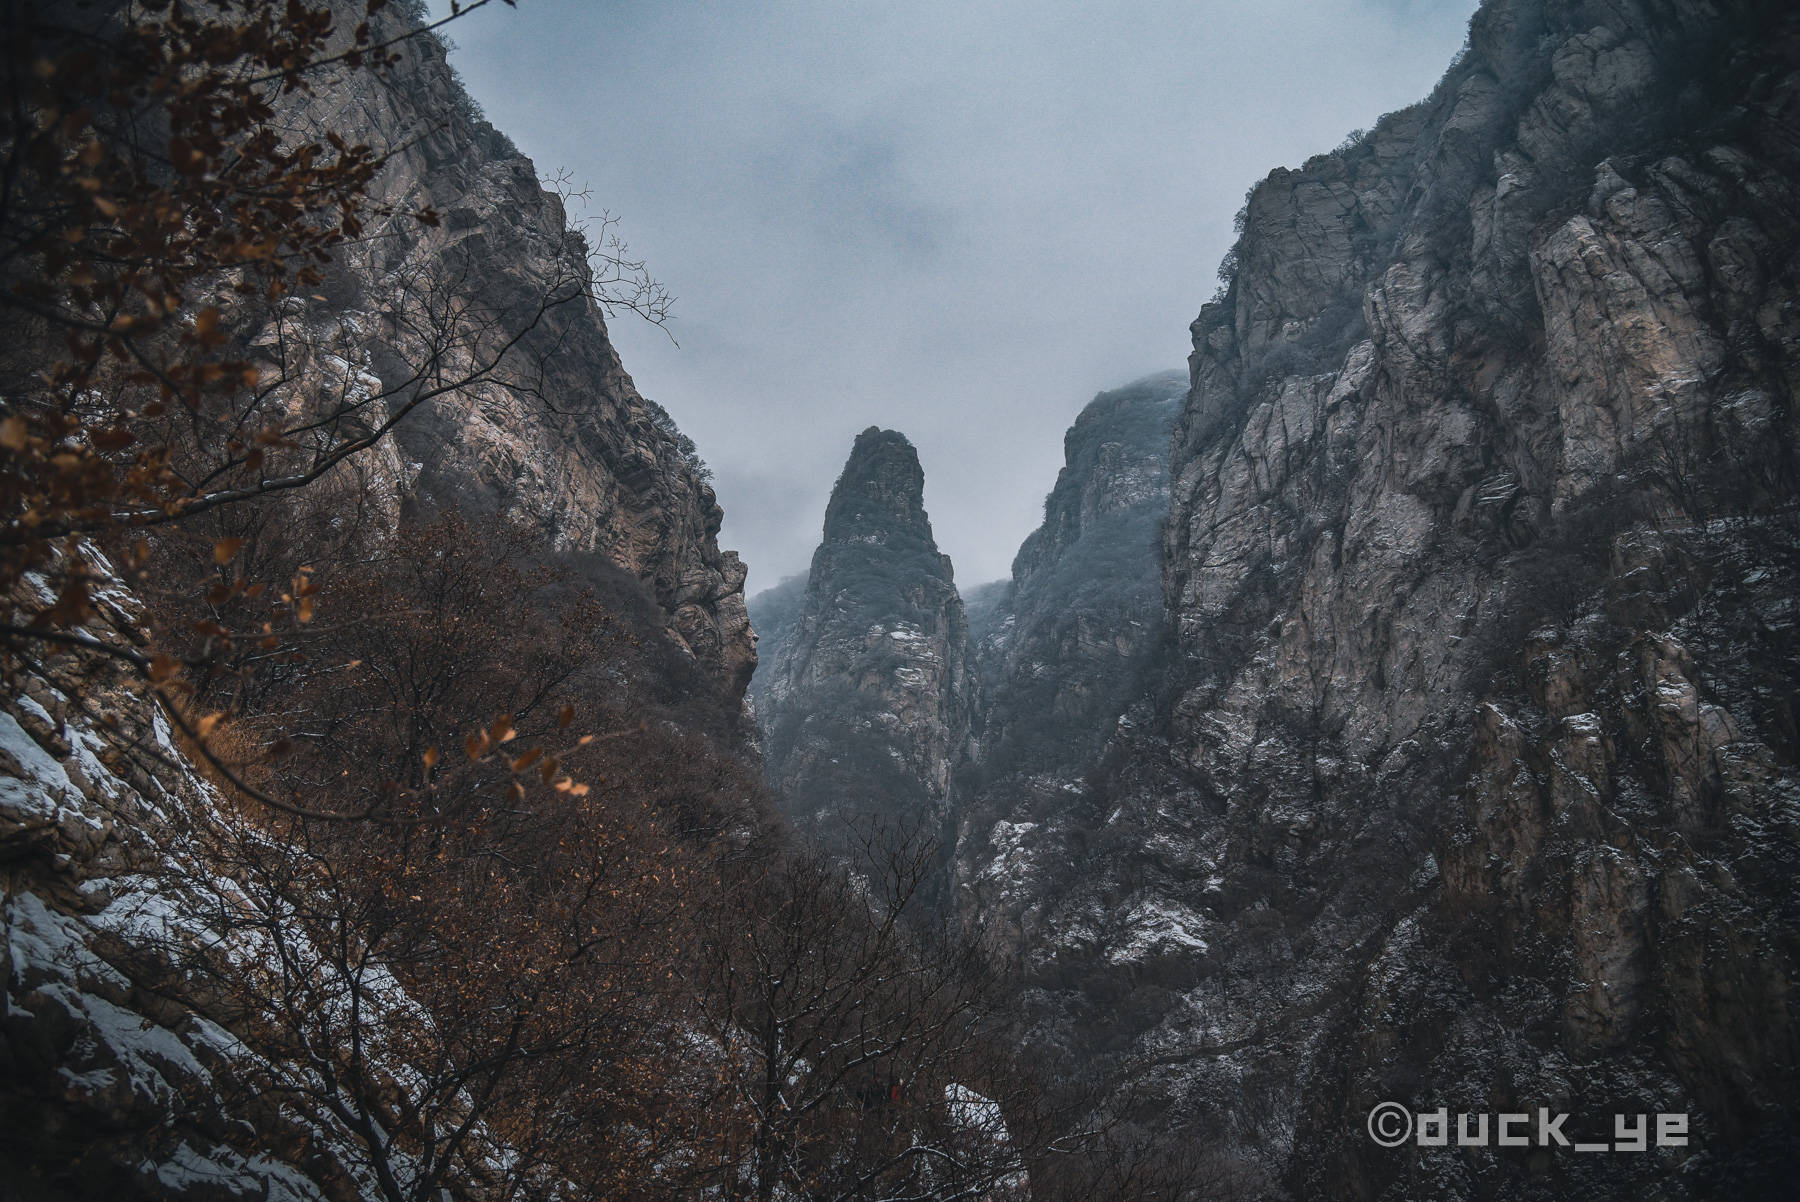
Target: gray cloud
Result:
[957, 220]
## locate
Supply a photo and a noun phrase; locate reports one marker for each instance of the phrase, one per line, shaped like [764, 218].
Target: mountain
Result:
[1067, 644]
[558, 442]
[866, 712]
[165, 975]
[1395, 712]
[1464, 777]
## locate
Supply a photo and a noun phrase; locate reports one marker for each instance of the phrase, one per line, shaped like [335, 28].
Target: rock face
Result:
[110, 1071]
[1470, 777]
[114, 1076]
[556, 438]
[1065, 645]
[774, 613]
[866, 712]
[1063, 648]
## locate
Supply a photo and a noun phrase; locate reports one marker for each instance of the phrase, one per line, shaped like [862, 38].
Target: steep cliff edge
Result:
[1066, 646]
[1471, 779]
[557, 441]
[175, 1024]
[867, 708]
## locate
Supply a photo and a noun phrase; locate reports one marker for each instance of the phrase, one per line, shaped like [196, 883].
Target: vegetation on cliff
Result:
[376, 821]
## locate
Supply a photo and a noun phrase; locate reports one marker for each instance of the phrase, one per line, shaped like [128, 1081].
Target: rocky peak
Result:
[877, 560]
[881, 492]
[865, 711]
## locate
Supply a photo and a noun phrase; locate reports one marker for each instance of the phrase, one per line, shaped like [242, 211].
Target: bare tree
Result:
[166, 357]
[470, 982]
[849, 1044]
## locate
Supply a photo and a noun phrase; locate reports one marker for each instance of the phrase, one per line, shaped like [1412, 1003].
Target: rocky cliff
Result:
[130, 1064]
[1065, 645]
[1470, 779]
[867, 708]
[556, 438]
[124, 930]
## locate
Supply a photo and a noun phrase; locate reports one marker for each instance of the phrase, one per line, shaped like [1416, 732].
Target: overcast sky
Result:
[956, 219]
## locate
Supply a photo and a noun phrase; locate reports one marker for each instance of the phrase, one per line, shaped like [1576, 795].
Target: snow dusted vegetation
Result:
[95, 961]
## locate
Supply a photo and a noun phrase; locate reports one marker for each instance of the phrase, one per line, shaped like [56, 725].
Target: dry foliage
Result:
[500, 902]
[161, 225]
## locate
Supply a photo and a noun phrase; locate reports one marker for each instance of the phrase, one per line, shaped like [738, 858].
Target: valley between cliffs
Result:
[1452, 760]
[1394, 708]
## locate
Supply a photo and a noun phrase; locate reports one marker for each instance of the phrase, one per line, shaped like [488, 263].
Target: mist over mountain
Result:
[1378, 776]
[1400, 779]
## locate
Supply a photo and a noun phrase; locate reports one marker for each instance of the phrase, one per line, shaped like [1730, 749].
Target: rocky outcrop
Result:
[1065, 648]
[130, 1063]
[555, 438]
[126, 1071]
[1468, 775]
[866, 712]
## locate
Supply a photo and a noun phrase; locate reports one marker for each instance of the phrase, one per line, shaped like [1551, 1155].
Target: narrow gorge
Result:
[1454, 761]
[1393, 713]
